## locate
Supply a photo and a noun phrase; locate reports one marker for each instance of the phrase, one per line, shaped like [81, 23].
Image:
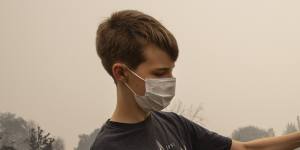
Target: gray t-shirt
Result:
[159, 131]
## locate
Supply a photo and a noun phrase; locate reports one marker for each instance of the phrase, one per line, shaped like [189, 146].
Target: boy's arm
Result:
[285, 142]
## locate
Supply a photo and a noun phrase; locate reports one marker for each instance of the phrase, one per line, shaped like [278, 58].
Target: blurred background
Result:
[238, 68]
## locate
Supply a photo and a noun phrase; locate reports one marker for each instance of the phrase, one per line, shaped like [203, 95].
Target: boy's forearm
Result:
[285, 142]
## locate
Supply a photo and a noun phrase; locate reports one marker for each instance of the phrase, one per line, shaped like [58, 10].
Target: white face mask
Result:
[158, 95]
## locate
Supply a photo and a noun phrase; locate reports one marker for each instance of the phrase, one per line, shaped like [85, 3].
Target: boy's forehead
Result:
[155, 58]
[159, 64]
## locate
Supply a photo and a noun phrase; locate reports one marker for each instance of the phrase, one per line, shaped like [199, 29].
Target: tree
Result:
[86, 141]
[298, 122]
[249, 133]
[7, 148]
[290, 128]
[191, 112]
[58, 144]
[19, 134]
[13, 131]
[39, 141]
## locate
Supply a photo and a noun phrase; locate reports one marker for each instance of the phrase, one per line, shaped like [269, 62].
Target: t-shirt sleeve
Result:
[202, 138]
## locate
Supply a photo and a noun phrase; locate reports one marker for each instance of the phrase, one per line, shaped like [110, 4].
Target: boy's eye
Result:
[158, 74]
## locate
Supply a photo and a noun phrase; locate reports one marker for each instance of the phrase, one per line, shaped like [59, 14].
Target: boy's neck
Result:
[128, 116]
[127, 110]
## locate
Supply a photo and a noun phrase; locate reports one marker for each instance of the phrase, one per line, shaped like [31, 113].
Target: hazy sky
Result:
[239, 59]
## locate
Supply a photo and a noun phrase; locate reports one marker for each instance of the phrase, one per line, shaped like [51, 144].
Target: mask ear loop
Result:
[136, 76]
[130, 88]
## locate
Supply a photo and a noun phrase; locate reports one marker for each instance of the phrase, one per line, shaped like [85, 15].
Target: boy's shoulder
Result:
[109, 135]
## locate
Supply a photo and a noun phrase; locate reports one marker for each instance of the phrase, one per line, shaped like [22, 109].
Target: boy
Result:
[139, 53]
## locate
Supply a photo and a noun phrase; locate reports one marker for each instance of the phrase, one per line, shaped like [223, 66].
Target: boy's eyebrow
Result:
[164, 69]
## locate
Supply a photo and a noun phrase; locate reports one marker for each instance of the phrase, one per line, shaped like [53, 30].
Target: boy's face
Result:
[158, 64]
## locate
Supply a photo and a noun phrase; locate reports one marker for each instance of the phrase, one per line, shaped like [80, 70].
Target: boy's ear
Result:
[119, 72]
